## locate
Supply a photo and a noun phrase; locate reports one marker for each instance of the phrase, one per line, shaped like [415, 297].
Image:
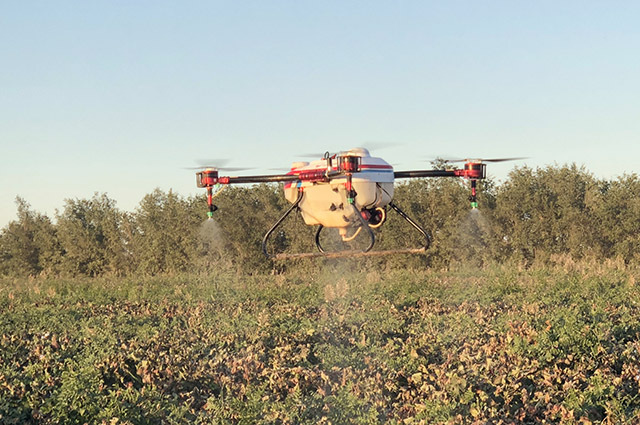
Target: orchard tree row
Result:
[535, 215]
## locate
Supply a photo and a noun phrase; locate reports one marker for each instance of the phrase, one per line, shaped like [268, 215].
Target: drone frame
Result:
[347, 165]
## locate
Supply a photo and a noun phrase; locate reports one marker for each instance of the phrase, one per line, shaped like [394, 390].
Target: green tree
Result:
[245, 215]
[616, 207]
[165, 238]
[91, 237]
[440, 206]
[545, 211]
[29, 245]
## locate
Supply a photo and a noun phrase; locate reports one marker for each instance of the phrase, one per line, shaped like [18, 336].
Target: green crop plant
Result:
[398, 346]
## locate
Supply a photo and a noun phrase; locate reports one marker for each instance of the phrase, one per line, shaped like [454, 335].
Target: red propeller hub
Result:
[473, 171]
[207, 178]
[349, 163]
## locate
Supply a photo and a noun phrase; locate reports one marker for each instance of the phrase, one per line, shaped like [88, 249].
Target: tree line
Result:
[536, 214]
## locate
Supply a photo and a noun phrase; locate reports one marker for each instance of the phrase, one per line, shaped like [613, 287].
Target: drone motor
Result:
[207, 178]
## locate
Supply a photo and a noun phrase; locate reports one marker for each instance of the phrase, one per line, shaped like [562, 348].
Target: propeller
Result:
[370, 146]
[314, 155]
[502, 159]
[217, 164]
[480, 159]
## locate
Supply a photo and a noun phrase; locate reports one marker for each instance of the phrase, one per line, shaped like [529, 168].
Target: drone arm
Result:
[210, 178]
[425, 173]
[259, 179]
[471, 171]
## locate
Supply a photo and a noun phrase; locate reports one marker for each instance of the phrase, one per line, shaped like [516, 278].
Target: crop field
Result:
[497, 345]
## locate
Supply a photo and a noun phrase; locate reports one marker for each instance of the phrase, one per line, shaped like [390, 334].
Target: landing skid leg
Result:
[318, 245]
[413, 223]
[273, 228]
[364, 224]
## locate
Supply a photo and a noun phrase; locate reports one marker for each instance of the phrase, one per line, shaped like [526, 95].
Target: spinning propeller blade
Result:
[471, 159]
[370, 146]
[217, 164]
[313, 155]
[504, 159]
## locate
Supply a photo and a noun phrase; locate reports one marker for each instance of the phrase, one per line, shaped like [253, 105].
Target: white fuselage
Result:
[326, 203]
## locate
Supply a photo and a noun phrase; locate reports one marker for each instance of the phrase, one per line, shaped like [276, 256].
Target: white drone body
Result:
[326, 203]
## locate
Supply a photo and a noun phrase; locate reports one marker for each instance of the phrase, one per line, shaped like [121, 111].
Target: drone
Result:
[350, 191]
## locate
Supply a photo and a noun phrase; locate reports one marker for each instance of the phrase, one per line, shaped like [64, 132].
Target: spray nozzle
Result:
[472, 197]
[212, 209]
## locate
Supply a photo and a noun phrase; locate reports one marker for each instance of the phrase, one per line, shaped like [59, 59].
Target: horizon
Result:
[52, 215]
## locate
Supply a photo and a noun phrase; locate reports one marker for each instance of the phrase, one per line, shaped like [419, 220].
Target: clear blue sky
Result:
[118, 96]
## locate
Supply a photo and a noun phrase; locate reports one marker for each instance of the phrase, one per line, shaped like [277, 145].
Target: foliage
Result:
[165, 233]
[245, 215]
[546, 211]
[554, 345]
[29, 246]
[535, 216]
[617, 207]
[156, 316]
[89, 231]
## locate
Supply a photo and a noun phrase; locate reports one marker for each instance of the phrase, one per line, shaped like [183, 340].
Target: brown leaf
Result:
[54, 342]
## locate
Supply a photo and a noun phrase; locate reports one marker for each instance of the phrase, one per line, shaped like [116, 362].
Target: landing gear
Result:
[280, 220]
[427, 239]
[363, 225]
[368, 220]
[375, 224]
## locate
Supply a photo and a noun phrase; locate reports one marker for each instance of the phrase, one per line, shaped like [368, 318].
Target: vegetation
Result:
[501, 345]
[527, 312]
[534, 215]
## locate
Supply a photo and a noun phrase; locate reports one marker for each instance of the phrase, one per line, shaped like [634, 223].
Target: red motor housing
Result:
[473, 171]
[349, 163]
[207, 178]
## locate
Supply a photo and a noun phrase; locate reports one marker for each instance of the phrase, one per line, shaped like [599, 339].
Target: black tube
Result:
[264, 179]
[424, 173]
[302, 176]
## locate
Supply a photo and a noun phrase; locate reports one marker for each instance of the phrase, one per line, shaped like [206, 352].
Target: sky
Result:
[119, 97]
